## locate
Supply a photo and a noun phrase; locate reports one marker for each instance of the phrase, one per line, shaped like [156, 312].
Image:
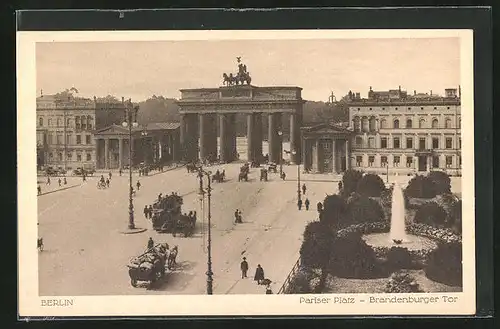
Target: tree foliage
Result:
[334, 211]
[350, 181]
[444, 264]
[370, 185]
[363, 210]
[442, 181]
[456, 216]
[421, 187]
[316, 245]
[431, 214]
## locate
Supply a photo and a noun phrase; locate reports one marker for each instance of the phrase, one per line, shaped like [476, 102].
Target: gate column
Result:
[250, 137]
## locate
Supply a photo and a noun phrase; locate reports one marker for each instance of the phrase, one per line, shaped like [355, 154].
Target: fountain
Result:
[397, 235]
[398, 231]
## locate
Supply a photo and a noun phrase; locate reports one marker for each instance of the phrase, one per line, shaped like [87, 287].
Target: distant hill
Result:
[161, 109]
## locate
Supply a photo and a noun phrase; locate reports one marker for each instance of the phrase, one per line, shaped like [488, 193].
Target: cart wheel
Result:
[133, 282]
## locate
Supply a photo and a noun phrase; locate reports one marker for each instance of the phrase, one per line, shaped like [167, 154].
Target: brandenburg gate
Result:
[210, 112]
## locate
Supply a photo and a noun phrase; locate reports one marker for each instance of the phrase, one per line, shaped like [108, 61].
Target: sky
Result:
[141, 69]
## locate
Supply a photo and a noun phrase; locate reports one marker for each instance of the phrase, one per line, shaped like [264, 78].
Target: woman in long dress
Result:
[259, 274]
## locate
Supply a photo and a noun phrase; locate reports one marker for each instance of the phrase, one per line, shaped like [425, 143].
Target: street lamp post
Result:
[294, 152]
[280, 133]
[131, 121]
[209, 272]
[144, 134]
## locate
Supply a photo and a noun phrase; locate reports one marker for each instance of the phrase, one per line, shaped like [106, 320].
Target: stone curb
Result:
[61, 189]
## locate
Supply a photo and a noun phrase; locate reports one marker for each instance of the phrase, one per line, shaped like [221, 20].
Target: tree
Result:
[441, 181]
[158, 109]
[456, 216]
[316, 246]
[370, 185]
[421, 187]
[431, 214]
[445, 264]
[350, 181]
[108, 99]
[364, 210]
[334, 211]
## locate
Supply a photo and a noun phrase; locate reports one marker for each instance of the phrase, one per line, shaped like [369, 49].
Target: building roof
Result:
[327, 128]
[162, 126]
[120, 130]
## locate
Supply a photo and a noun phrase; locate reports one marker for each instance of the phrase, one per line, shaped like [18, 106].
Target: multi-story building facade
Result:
[400, 133]
[65, 128]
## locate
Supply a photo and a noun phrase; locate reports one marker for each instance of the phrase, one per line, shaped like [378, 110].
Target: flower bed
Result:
[439, 234]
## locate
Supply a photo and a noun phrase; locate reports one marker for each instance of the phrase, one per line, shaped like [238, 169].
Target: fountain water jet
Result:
[398, 226]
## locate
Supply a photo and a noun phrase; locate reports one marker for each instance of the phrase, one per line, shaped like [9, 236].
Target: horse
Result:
[172, 256]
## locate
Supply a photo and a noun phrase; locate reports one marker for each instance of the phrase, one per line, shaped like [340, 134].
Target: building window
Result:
[435, 142]
[409, 161]
[396, 161]
[87, 139]
[460, 161]
[49, 122]
[383, 161]
[69, 155]
[89, 156]
[373, 124]
[449, 161]
[59, 139]
[78, 157]
[59, 156]
[383, 142]
[435, 123]
[396, 124]
[359, 160]
[421, 123]
[460, 123]
[447, 123]
[59, 122]
[460, 143]
[326, 146]
[409, 142]
[51, 155]
[40, 122]
[371, 142]
[396, 143]
[409, 123]
[68, 139]
[89, 122]
[449, 142]
[78, 139]
[359, 141]
[371, 161]
[383, 123]
[366, 124]
[435, 162]
[421, 144]
[68, 123]
[84, 122]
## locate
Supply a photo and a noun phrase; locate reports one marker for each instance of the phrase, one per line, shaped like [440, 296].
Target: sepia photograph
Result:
[311, 166]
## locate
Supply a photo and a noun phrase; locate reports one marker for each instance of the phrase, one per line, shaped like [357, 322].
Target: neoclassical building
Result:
[401, 133]
[65, 128]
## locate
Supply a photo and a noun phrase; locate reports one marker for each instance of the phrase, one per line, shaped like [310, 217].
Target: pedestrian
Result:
[146, 212]
[48, 180]
[236, 213]
[340, 186]
[120, 171]
[151, 243]
[159, 197]
[283, 176]
[304, 189]
[194, 215]
[259, 274]
[150, 211]
[138, 185]
[299, 204]
[268, 289]
[59, 181]
[107, 182]
[110, 175]
[319, 206]
[84, 177]
[307, 204]
[39, 189]
[64, 180]
[244, 268]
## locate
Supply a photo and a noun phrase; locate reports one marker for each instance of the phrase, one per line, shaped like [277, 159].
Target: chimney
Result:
[123, 99]
[431, 92]
[95, 99]
[459, 91]
[399, 88]
[414, 93]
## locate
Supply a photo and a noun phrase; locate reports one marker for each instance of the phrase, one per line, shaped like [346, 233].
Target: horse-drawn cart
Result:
[263, 174]
[185, 225]
[244, 171]
[150, 266]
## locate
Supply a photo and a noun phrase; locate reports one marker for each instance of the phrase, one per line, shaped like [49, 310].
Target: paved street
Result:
[86, 255]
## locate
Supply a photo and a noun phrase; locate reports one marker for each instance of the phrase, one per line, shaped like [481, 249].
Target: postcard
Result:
[256, 173]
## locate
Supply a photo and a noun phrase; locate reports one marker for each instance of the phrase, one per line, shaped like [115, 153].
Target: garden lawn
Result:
[337, 285]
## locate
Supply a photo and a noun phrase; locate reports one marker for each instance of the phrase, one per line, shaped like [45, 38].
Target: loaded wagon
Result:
[150, 266]
[185, 225]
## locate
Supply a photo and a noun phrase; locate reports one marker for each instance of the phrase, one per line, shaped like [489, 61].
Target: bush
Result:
[399, 258]
[445, 264]
[350, 181]
[456, 216]
[431, 214]
[351, 257]
[316, 246]
[370, 185]
[364, 210]
[334, 211]
[402, 282]
[421, 187]
[300, 283]
[442, 181]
